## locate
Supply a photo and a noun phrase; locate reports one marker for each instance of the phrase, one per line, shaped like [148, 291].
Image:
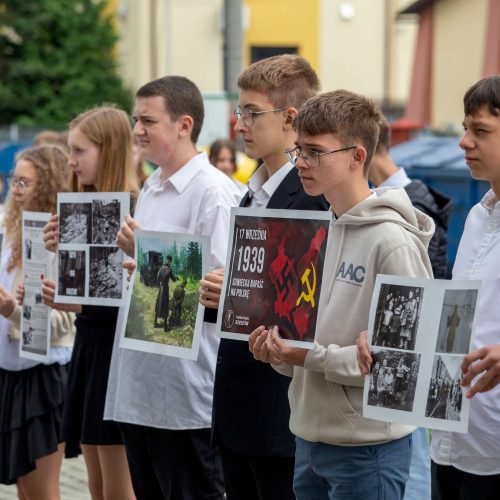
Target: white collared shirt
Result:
[478, 257]
[398, 179]
[261, 187]
[160, 391]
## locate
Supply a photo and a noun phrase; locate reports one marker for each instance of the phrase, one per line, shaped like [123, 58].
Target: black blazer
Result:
[251, 409]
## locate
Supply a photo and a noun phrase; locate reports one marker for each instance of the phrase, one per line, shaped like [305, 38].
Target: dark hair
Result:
[217, 146]
[352, 117]
[181, 97]
[384, 136]
[288, 80]
[169, 257]
[485, 92]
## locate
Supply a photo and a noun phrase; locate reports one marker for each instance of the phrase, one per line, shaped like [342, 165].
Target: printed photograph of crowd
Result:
[455, 325]
[106, 272]
[393, 379]
[444, 399]
[75, 223]
[97, 222]
[396, 319]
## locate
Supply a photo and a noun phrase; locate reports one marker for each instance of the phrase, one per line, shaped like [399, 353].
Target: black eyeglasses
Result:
[247, 115]
[310, 158]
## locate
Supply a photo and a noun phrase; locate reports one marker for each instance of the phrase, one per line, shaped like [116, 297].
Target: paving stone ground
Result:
[73, 482]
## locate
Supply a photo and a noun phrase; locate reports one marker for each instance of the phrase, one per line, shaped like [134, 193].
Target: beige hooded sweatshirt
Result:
[380, 235]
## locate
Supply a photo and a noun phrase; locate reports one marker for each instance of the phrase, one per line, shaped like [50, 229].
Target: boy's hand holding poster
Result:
[164, 315]
[274, 273]
[37, 265]
[419, 331]
[89, 263]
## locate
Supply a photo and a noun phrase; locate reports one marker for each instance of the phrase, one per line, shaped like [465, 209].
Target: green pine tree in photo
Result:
[57, 59]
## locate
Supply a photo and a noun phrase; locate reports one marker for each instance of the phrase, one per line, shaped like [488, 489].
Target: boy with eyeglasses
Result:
[251, 411]
[341, 455]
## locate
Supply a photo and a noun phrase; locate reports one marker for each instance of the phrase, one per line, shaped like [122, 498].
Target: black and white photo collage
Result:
[89, 263]
[420, 331]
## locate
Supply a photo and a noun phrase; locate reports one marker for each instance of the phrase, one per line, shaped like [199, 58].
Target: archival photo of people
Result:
[393, 379]
[89, 270]
[396, 321]
[37, 264]
[455, 325]
[106, 272]
[444, 399]
[105, 221]
[75, 222]
[163, 314]
[72, 273]
[412, 382]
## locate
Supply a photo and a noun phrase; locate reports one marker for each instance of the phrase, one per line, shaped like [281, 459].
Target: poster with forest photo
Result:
[163, 314]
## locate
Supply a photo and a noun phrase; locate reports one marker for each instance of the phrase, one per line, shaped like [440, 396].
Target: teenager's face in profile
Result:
[481, 143]
[83, 157]
[156, 133]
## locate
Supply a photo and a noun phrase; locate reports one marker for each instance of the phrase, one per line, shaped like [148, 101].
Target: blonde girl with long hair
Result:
[31, 393]
[100, 157]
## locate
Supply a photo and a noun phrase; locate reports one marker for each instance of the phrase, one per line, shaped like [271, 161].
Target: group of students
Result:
[262, 420]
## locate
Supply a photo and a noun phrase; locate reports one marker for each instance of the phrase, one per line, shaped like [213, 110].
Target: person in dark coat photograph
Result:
[165, 275]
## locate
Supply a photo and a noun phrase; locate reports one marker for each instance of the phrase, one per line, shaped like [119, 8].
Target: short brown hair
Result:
[384, 137]
[288, 80]
[351, 117]
[181, 97]
[485, 92]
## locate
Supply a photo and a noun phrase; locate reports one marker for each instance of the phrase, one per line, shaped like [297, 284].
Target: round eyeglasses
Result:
[247, 115]
[19, 184]
[310, 158]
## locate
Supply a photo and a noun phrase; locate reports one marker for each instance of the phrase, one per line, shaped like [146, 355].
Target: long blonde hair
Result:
[52, 177]
[109, 129]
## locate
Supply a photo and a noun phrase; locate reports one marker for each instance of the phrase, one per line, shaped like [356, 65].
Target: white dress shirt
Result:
[261, 187]
[160, 391]
[478, 257]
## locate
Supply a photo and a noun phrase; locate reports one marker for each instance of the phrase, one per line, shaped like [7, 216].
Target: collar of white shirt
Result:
[180, 179]
[398, 179]
[262, 186]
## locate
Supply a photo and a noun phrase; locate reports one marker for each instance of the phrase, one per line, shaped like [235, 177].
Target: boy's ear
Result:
[358, 159]
[291, 113]
[186, 123]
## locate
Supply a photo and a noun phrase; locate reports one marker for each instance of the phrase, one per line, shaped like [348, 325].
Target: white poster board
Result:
[419, 332]
[163, 312]
[37, 265]
[89, 263]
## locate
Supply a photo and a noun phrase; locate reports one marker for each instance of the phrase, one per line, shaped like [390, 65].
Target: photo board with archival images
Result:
[419, 331]
[36, 266]
[89, 263]
[273, 273]
[163, 313]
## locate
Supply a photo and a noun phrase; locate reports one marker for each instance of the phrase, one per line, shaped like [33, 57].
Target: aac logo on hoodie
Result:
[351, 273]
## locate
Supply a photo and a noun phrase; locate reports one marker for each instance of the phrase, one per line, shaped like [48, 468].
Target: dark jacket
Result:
[438, 206]
[251, 409]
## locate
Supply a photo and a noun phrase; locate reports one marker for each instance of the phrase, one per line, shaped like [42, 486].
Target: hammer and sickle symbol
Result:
[309, 296]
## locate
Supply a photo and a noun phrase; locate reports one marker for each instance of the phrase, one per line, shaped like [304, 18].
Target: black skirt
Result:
[88, 380]
[31, 409]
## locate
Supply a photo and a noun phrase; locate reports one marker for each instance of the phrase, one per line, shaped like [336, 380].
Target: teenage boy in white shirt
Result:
[164, 404]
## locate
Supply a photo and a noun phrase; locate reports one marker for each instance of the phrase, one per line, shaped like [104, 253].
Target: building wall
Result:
[459, 37]
[282, 23]
[160, 37]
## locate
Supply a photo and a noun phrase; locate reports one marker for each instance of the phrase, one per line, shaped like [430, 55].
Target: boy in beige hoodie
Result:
[340, 454]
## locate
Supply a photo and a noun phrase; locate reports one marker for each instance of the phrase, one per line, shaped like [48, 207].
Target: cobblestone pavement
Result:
[73, 482]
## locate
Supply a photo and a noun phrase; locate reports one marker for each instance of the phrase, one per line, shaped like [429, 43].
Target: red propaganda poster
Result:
[273, 273]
